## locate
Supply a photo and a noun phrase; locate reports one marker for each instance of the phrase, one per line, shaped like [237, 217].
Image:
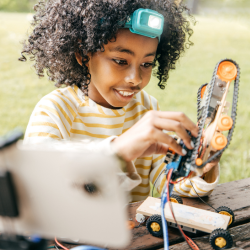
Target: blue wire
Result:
[164, 222]
[87, 248]
[164, 200]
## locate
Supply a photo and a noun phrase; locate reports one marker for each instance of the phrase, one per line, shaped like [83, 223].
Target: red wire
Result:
[168, 181]
[189, 241]
[174, 182]
[60, 245]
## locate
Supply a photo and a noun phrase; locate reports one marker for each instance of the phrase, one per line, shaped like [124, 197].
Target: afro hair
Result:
[63, 27]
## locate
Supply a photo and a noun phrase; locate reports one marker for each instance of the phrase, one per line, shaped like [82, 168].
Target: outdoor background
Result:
[222, 31]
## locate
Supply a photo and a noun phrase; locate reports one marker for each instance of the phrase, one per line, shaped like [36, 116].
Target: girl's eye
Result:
[147, 65]
[120, 62]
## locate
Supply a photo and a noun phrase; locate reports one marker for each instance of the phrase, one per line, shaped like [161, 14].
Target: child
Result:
[92, 48]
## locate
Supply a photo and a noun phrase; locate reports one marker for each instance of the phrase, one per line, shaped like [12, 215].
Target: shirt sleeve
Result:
[195, 185]
[188, 187]
[51, 120]
[50, 125]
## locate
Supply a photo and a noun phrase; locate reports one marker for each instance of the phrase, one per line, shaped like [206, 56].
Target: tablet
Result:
[68, 194]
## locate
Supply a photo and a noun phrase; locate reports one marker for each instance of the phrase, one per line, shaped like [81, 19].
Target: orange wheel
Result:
[203, 89]
[225, 123]
[227, 71]
[198, 161]
[219, 141]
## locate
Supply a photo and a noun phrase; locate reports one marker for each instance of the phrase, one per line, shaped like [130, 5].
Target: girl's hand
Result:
[146, 137]
[211, 164]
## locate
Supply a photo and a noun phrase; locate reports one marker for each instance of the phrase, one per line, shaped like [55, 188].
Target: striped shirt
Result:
[67, 114]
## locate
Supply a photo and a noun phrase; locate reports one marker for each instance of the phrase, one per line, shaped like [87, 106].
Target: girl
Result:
[103, 53]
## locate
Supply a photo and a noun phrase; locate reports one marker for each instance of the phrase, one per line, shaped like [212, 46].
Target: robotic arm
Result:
[213, 121]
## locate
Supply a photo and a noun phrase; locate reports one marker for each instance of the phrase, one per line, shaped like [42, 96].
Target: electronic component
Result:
[146, 22]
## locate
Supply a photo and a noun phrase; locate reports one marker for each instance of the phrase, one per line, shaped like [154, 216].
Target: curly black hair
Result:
[64, 27]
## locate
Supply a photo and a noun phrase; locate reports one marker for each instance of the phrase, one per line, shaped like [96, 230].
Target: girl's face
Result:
[122, 70]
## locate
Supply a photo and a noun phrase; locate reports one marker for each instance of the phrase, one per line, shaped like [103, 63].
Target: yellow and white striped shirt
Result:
[67, 114]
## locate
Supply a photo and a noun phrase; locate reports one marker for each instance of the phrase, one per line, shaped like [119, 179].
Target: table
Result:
[235, 195]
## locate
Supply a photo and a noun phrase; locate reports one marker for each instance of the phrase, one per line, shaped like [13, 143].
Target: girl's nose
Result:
[134, 75]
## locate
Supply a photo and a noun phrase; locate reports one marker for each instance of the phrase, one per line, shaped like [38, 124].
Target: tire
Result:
[220, 239]
[176, 199]
[154, 225]
[227, 211]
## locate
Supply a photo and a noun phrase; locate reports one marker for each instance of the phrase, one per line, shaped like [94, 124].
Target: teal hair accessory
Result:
[146, 22]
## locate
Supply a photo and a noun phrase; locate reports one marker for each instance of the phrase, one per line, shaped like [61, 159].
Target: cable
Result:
[138, 225]
[56, 247]
[175, 182]
[202, 199]
[164, 222]
[60, 245]
[152, 193]
[189, 241]
[164, 200]
[87, 248]
[78, 248]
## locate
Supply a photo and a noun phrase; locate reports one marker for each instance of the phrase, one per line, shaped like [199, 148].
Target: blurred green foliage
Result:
[225, 2]
[233, 5]
[17, 5]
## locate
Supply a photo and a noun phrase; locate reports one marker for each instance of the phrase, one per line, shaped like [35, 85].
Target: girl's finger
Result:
[182, 118]
[177, 127]
[162, 148]
[161, 137]
[209, 166]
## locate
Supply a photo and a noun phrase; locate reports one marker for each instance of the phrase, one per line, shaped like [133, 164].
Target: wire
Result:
[189, 241]
[164, 222]
[202, 199]
[164, 200]
[60, 245]
[175, 182]
[152, 193]
[87, 248]
[138, 225]
[77, 248]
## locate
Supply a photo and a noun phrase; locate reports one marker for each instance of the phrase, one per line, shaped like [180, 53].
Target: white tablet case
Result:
[52, 200]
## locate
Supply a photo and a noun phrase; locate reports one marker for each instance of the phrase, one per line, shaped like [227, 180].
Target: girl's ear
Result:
[78, 58]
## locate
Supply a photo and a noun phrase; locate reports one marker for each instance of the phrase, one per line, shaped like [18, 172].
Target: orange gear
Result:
[225, 123]
[227, 71]
[219, 141]
[203, 89]
[198, 161]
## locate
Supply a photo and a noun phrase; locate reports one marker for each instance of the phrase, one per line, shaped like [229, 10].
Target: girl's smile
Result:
[122, 70]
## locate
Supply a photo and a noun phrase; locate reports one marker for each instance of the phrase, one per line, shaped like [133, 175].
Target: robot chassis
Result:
[213, 120]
